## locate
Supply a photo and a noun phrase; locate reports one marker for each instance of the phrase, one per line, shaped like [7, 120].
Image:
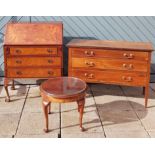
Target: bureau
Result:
[111, 62]
[32, 50]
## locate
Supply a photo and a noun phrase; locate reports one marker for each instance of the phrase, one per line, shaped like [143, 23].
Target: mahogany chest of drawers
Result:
[32, 50]
[111, 62]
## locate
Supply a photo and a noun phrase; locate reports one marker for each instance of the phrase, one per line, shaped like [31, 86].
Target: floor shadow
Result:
[109, 89]
[22, 90]
[118, 112]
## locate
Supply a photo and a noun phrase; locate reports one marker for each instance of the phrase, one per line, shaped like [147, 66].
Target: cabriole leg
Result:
[7, 99]
[81, 104]
[46, 110]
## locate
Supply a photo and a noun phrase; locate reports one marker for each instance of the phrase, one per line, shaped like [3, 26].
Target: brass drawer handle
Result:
[124, 65]
[18, 51]
[130, 66]
[128, 56]
[19, 73]
[89, 76]
[90, 64]
[50, 61]
[49, 50]
[128, 79]
[89, 54]
[50, 73]
[18, 61]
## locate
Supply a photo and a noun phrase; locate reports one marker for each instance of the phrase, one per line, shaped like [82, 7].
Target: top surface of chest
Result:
[111, 45]
[34, 34]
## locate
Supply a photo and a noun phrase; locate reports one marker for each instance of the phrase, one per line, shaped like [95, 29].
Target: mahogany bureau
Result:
[111, 62]
[32, 50]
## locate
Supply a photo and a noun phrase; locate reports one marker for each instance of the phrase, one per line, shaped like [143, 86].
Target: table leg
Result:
[13, 85]
[6, 81]
[146, 95]
[81, 104]
[46, 110]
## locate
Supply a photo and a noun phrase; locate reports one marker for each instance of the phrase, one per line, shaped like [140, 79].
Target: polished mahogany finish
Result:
[32, 50]
[61, 90]
[109, 44]
[111, 62]
[34, 34]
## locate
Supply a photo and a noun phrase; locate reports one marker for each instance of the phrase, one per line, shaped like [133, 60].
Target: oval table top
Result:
[62, 87]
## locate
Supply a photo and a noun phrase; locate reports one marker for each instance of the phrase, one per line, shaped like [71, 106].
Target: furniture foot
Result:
[7, 99]
[46, 130]
[13, 85]
[46, 110]
[81, 104]
[82, 129]
[146, 95]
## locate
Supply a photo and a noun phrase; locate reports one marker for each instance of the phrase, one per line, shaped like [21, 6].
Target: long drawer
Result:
[104, 63]
[114, 77]
[32, 51]
[33, 72]
[120, 54]
[33, 61]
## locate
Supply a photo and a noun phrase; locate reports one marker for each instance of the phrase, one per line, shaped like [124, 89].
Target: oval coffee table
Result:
[62, 90]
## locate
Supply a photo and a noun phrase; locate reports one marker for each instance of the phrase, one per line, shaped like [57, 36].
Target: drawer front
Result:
[104, 63]
[33, 72]
[33, 51]
[117, 77]
[33, 61]
[118, 54]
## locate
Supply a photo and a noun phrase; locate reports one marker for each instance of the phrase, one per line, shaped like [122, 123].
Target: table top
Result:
[62, 87]
[111, 44]
[50, 33]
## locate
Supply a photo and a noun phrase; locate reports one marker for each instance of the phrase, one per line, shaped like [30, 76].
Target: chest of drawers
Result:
[32, 50]
[111, 62]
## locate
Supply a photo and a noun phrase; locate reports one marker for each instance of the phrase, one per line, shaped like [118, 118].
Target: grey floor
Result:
[110, 111]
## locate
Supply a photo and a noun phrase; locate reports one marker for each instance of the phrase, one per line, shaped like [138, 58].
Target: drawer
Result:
[105, 63]
[118, 54]
[33, 61]
[32, 51]
[33, 72]
[113, 77]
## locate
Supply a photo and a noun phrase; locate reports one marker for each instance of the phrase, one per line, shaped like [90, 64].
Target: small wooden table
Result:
[62, 90]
